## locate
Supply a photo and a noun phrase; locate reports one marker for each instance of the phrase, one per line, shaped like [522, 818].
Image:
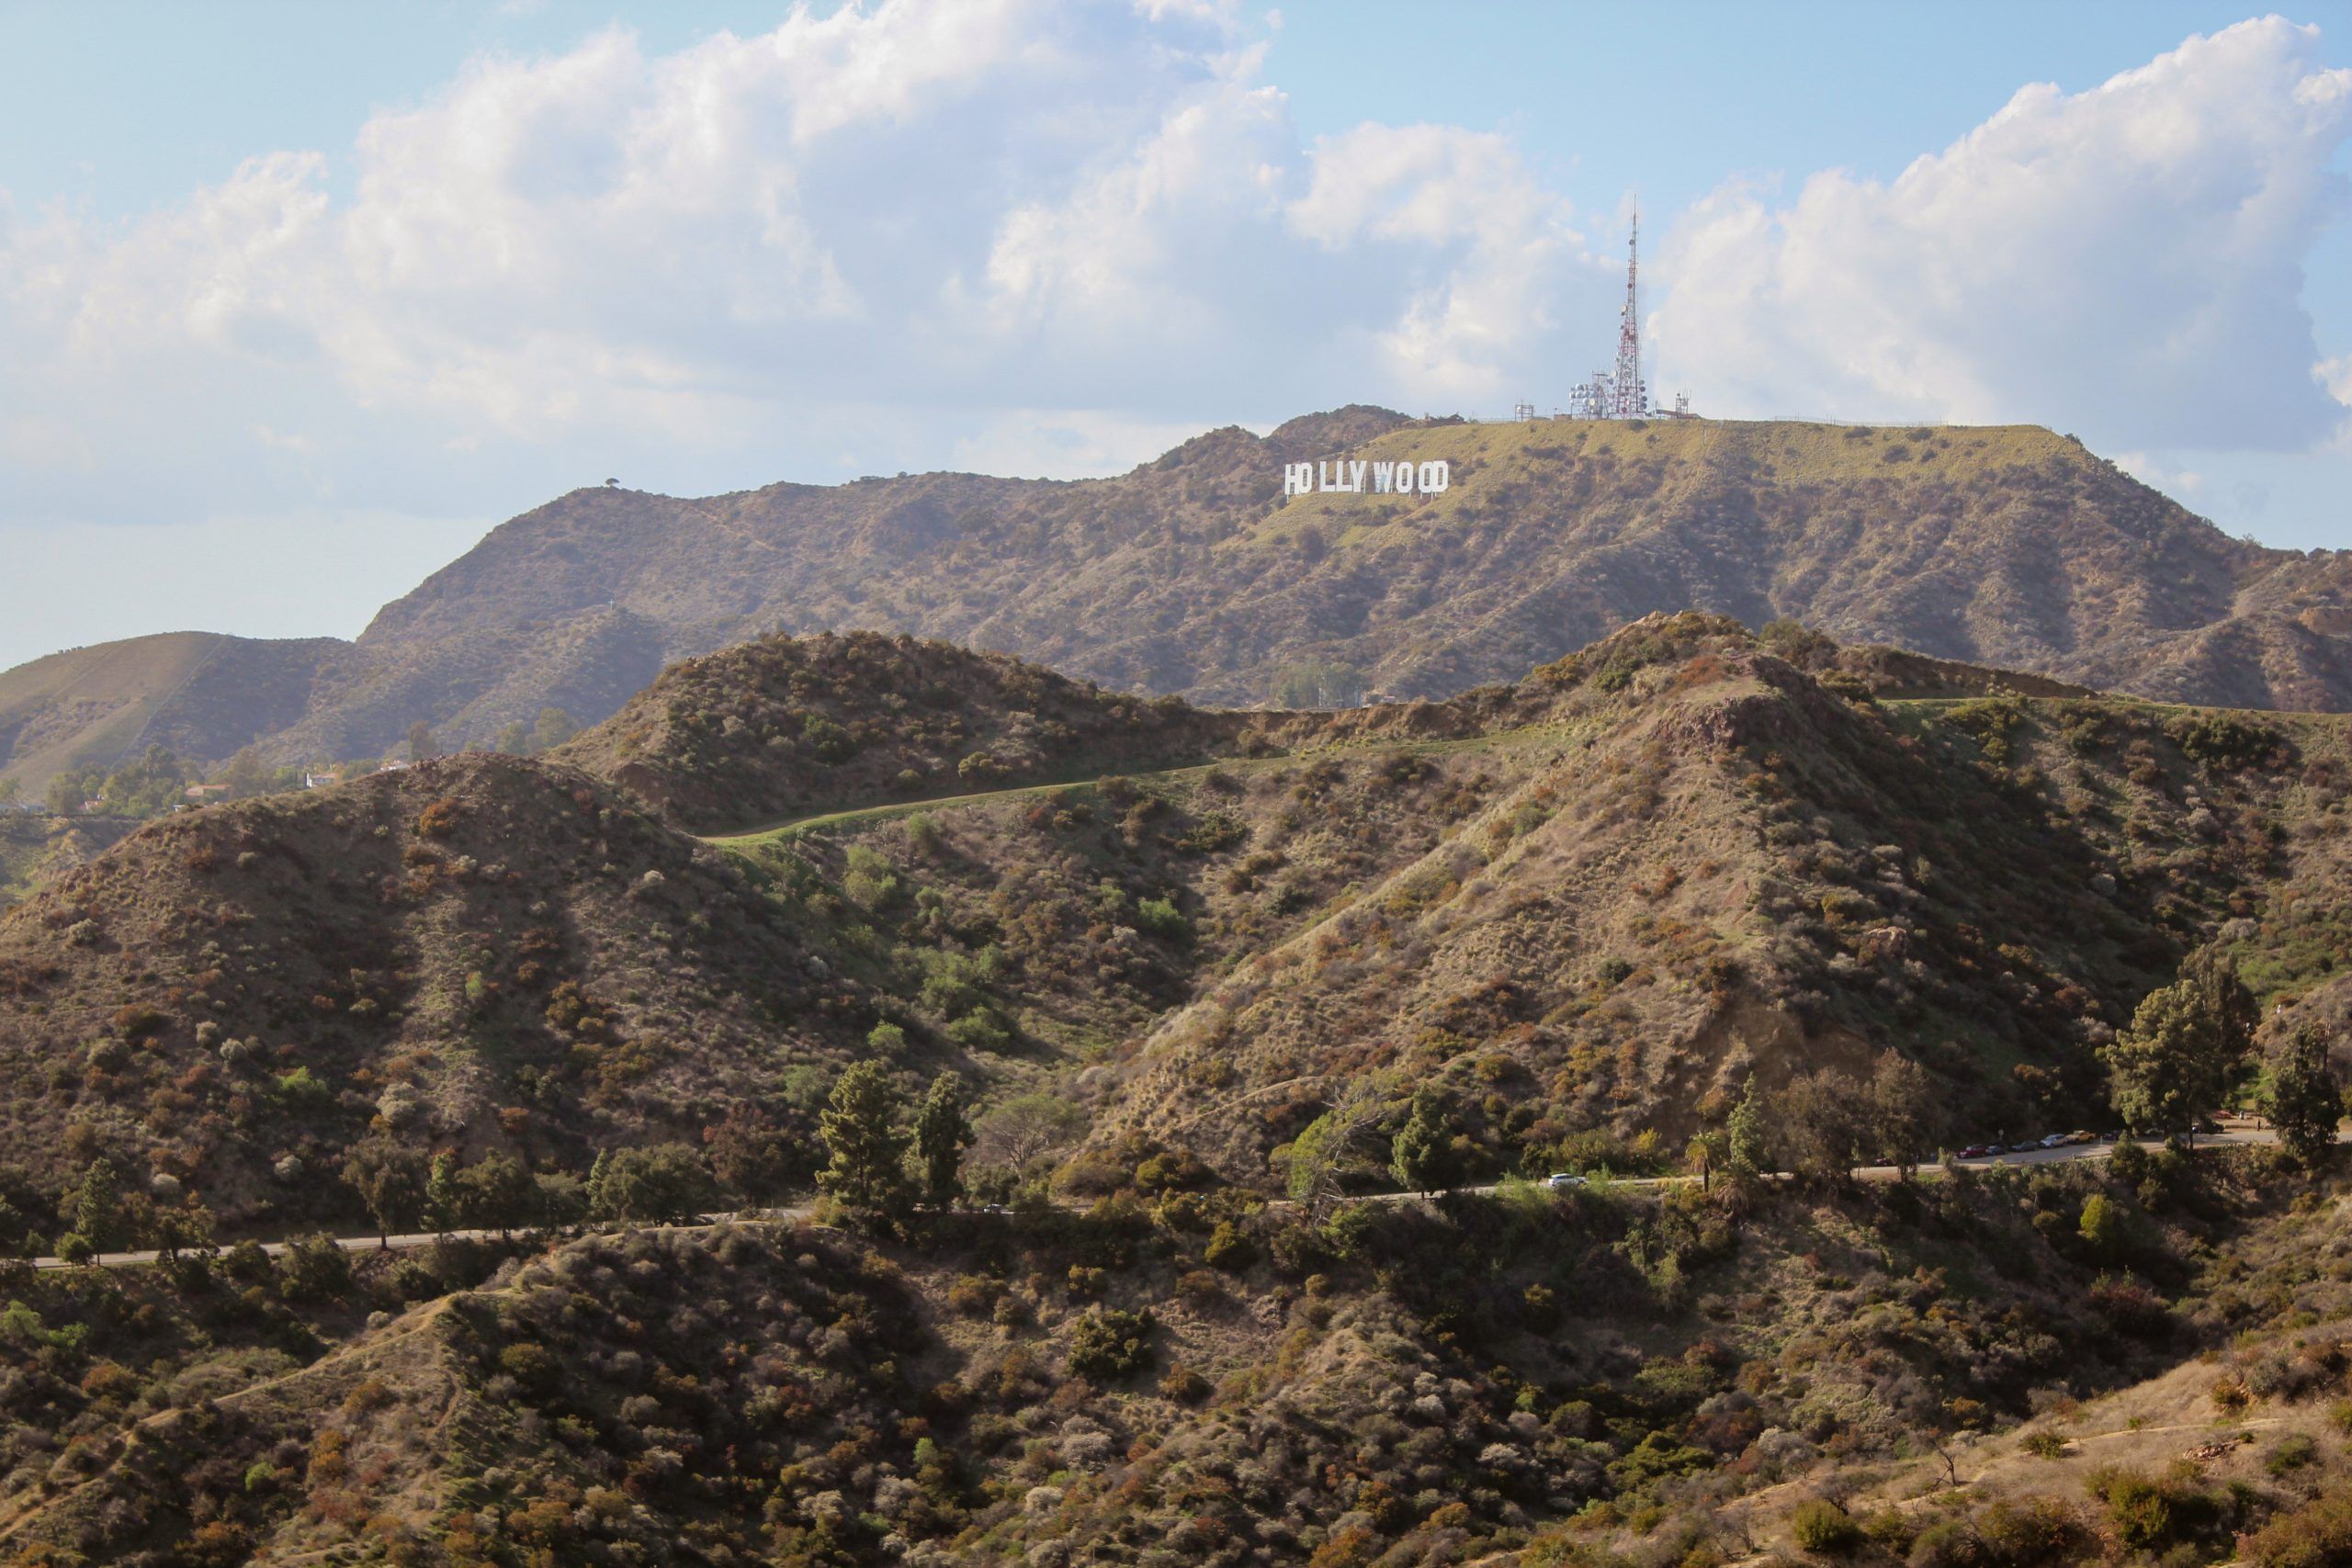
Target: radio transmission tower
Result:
[1621, 394]
[1628, 398]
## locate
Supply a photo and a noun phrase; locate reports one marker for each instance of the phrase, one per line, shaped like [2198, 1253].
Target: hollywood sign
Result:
[1351, 477]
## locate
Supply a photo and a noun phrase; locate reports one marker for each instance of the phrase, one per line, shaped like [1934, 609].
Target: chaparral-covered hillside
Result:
[1193, 575]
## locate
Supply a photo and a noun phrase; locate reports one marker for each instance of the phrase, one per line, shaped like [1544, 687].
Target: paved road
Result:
[410, 1242]
[2234, 1134]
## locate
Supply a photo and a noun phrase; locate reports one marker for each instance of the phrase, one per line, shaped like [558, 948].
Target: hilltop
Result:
[1192, 576]
[784, 726]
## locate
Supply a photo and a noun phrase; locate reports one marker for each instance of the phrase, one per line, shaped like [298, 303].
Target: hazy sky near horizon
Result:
[297, 301]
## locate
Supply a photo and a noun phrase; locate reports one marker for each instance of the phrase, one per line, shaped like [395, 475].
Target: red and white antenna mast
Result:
[1628, 398]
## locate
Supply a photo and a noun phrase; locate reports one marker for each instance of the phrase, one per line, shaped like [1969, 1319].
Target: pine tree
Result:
[1419, 1154]
[2231, 1012]
[444, 1195]
[2101, 1226]
[1744, 1135]
[866, 1166]
[98, 1209]
[599, 1207]
[942, 1134]
[2302, 1099]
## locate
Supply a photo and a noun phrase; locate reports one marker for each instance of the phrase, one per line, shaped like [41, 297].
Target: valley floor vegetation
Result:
[1181, 1371]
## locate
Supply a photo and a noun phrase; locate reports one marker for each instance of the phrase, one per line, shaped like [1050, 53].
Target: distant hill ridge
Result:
[2006, 546]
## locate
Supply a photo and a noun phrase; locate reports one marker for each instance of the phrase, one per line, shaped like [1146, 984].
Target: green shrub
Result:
[1229, 1248]
[2220, 741]
[2028, 1532]
[982, 1029]
[1108, 1343]
[831, 743]
[315, 1269]
[303, 1089]
[2148, 1515]
[1211, 834]
[531, 1365]
[1161, 918]
[2292, 1453]
[870, 881]
[1820, 1525]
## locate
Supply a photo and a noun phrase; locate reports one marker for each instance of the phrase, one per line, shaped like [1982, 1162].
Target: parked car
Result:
[1560, 1180]
[1974, 1151]
[2057, 1140]
[2081, 1137]
[2207, 1124]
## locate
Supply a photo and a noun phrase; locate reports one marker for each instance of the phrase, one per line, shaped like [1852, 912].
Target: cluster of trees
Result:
[148, 787]
[1819, 1127]
[1317, 684]
[878, 1166]
[101, 1214]
[1822, 1125]
[2174, 1064]
[550, 729]
[404, 1192]
[883, 1160]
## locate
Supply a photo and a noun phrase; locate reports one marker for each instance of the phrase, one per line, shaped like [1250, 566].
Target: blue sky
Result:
[299, 300]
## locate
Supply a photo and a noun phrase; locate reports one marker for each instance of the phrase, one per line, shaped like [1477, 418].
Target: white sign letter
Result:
[1435, 478]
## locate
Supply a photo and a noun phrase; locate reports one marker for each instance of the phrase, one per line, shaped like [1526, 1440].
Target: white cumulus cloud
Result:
[1057, 235]
[2125, 262]
[944, 214]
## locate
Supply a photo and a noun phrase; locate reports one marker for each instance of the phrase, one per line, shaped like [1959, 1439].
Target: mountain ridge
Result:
[1193, 575]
